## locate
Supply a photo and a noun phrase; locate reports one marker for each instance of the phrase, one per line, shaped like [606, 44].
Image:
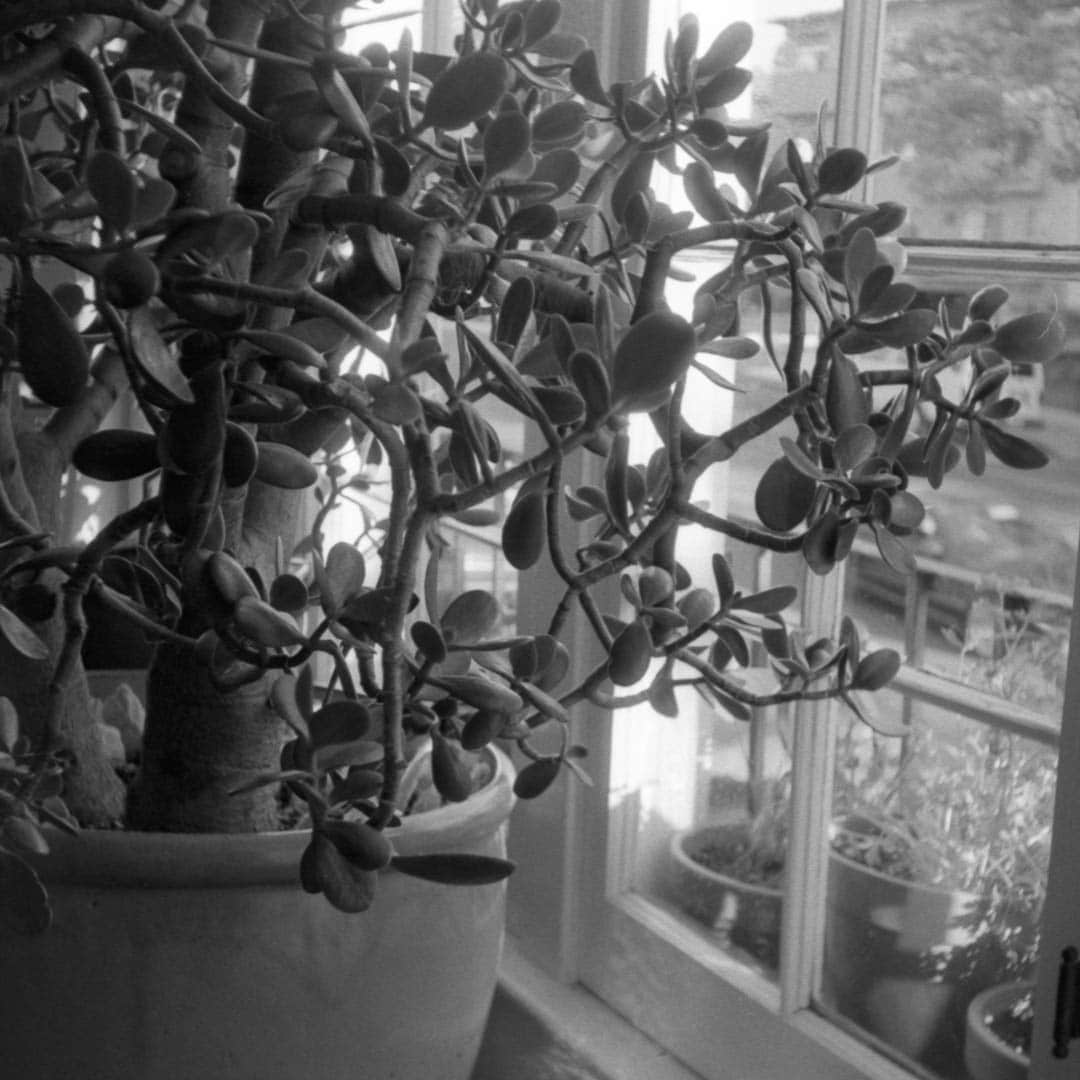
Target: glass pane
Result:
[980, 101]
[706, 795]
[384, 22]
[937, 874]
[941, 836]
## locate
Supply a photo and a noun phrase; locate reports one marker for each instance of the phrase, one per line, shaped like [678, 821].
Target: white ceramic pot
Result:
[198, 957]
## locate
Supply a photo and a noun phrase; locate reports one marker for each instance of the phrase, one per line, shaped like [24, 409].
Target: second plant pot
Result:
[880, 935]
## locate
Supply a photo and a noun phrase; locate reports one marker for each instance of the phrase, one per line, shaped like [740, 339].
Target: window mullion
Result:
[862, 36]
[802, 929]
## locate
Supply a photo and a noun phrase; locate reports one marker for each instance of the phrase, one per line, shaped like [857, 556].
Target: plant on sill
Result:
[218, 292]
[973, 815]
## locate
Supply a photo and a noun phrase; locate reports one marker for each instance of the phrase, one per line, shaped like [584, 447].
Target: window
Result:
[766, 984]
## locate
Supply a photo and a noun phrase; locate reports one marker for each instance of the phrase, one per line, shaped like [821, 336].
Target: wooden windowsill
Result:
[542, 1029]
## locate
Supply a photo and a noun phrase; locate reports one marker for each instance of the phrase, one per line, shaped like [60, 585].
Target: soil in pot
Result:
[720, 878]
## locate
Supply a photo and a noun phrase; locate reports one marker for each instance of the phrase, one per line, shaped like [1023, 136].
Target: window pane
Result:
[708, 793]
[980, 100]
[937, 875]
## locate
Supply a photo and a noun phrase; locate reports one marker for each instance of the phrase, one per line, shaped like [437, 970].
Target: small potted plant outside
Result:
[936, 883]
[321, 271]
[997, 1044]
[729, 873]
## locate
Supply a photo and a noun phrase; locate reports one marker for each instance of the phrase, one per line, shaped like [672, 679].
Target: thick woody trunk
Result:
[199, 742]
[200, 745]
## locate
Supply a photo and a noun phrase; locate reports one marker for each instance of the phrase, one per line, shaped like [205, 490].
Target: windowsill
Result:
[542, 1029]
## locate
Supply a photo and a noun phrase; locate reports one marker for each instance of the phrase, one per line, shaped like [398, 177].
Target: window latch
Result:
[1067, 1006]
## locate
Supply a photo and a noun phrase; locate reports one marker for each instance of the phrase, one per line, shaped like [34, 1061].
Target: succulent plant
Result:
[373, 254]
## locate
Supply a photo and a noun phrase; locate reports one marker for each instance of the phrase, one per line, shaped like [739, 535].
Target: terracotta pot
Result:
[747, 915]
[879, 931]
[176, 956]
[986, 1057]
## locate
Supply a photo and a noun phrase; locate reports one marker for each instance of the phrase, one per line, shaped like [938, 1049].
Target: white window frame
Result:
[572, 909]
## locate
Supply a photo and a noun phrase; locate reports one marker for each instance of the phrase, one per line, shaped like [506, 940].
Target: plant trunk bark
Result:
[199, 745]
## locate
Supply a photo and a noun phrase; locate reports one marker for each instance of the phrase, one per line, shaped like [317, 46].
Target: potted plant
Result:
[936, 882]
[249, 205]
[997, 1043]
[729, 873]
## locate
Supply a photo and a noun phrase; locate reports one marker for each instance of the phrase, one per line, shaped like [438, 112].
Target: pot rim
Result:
[980, 1004]
[213, 860]
[915, 886]
[687, 863]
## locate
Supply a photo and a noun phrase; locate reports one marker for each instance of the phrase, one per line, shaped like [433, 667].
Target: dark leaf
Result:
[116, 454]
[876, 670]
[339, 722]
[343, 576]
[429, 641]
[725, 581]
[465, 91]
[631, 653]
[784, 496]
[820, 544]
[51, 352]
[562, 121]
[455, 869]
[892, 550]
[366, 848]
[347, 886]
[1031, 339]
[524, 531]
[482, 693]
[701, 191]
[633, 180]
[282, 466]
[536, 777]
[986, 302]
[724, 87]
[727, 49]
[1012, 450]
[451, 771]
[908, 328]
[506, 140]
[749, 157]
[154, 359]
[288, 593]
[841, 171]
[20, 636]
[469, 617]
[662, 694]
[860, 258]
[654, 353]
[767, 602]
[481, 728]
[846, 403]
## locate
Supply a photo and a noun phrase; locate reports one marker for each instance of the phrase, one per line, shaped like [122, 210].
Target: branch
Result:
[106, 109]
[723, 447]
[746, 533]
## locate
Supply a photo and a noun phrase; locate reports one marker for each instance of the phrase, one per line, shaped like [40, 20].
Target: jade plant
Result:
[294, 258]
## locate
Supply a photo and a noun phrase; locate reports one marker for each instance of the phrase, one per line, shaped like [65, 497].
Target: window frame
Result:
[571, 910]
